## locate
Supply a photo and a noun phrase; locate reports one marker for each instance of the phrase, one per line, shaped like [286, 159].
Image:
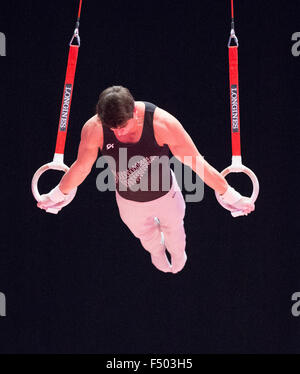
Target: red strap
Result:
[66, 101]
[232, 15]
[79, 10]
[234, 100]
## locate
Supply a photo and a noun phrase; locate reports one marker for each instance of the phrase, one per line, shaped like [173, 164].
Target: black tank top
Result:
[145, 177]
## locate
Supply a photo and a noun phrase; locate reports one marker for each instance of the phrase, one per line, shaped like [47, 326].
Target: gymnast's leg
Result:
[139, 218]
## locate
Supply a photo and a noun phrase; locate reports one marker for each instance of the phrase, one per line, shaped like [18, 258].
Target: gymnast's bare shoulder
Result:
[94, 130]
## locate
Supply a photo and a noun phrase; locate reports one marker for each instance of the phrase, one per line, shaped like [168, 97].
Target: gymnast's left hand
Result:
[236, 202]
[244, 204]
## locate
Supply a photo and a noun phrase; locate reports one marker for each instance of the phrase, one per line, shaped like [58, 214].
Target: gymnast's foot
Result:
[178, 262]
[161, 262]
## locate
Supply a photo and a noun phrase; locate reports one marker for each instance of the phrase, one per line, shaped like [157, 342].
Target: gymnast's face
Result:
[127, 128]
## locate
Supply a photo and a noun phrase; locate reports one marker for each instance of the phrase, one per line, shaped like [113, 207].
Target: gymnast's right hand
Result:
[55, 200]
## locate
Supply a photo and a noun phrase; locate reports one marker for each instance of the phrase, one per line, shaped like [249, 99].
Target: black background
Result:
[79, 281]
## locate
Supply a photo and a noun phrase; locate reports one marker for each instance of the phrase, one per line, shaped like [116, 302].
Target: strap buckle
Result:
[233, 37]
[76, 35]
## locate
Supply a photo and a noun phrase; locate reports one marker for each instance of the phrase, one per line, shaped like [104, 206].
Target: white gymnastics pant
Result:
[169, 209]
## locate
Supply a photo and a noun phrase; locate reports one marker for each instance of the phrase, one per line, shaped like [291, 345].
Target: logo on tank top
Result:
[133, 175]
[109, 146]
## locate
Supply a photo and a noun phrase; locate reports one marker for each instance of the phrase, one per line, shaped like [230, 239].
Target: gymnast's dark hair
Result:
[115, 106]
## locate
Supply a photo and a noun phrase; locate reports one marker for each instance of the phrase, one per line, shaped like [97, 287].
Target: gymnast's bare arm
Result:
[170, 131]
[90, 142]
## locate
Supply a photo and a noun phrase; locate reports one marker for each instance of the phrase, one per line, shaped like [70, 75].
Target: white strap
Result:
[231, 196]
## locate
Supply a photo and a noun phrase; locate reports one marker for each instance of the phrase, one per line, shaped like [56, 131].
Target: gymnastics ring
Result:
[58, 159]
[54, 165]
[239, 168]
[236, 163]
